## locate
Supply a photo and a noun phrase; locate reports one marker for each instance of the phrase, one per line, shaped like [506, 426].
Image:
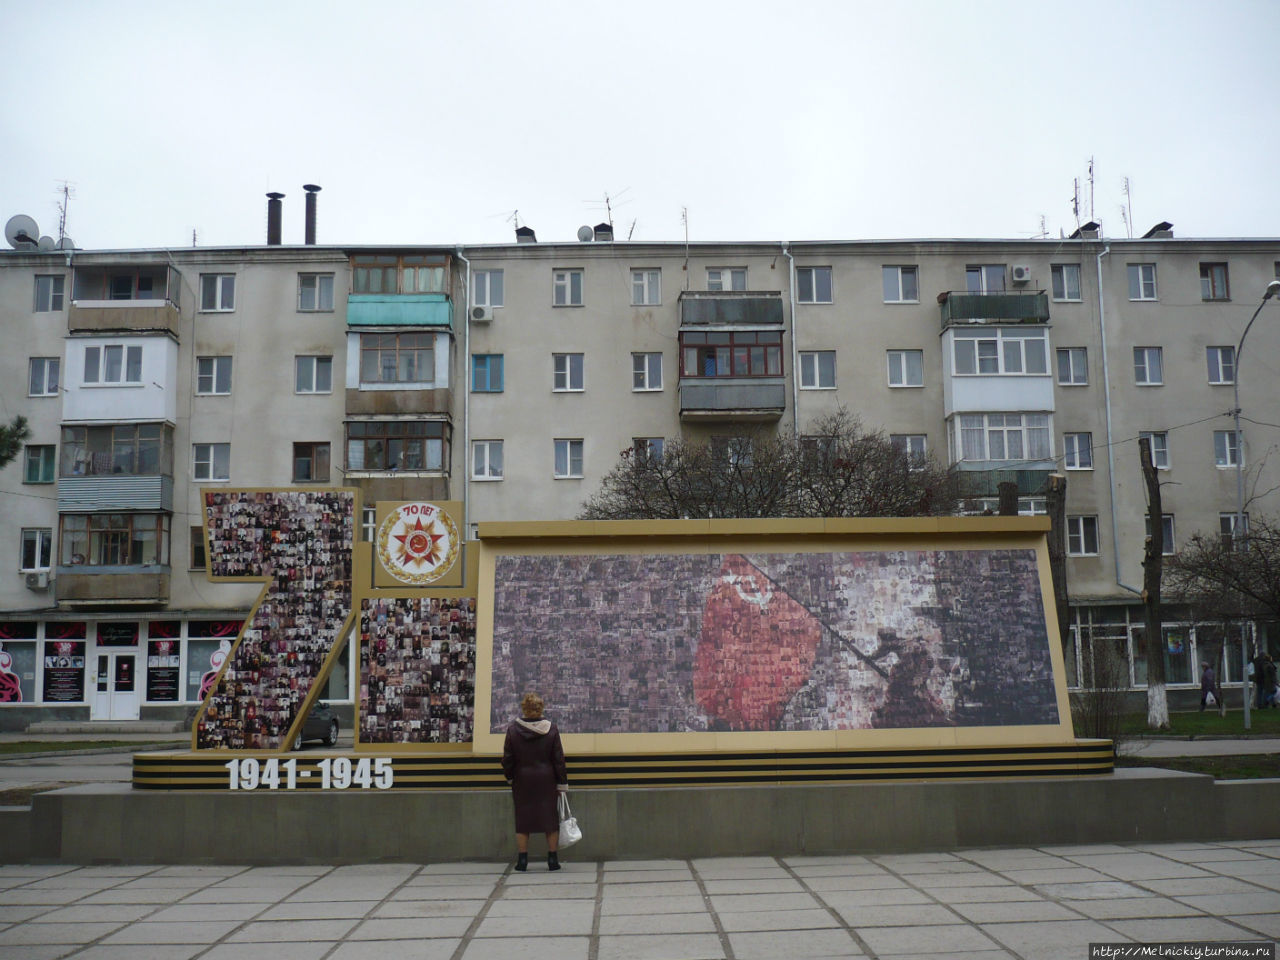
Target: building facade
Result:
[510, 377]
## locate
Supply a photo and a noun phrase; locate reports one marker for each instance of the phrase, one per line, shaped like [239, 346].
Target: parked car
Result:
[321, 724]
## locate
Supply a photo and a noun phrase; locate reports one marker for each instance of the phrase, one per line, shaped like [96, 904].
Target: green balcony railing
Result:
[1027, 307]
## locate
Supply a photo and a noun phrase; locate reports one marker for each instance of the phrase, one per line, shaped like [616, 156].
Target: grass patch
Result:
[1246, 767]
[21, 796]
[55, 746]
[1264, 723]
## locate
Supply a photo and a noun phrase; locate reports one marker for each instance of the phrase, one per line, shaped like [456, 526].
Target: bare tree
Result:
[1152, 566]
[838, 469]
[1230, 578]
[12, 436]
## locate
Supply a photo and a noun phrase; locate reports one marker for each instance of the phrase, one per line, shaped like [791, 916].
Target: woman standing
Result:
[533, 763]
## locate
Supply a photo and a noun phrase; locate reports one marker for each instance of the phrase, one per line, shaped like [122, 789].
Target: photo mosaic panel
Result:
[773, 642]
[301, 541]
[417, 670]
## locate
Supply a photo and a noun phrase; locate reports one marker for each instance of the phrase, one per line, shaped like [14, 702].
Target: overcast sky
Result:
[434, 122]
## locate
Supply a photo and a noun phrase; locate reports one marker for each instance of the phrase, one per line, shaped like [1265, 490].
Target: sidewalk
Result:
[1039, 904]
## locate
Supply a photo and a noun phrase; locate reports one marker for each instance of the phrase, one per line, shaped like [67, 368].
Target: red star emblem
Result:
[419, 544]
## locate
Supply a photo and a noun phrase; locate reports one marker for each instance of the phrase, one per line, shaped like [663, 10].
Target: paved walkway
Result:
[1040, 904]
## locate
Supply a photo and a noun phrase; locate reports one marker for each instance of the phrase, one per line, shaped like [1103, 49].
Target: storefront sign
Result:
[64, 671]
[162, 670]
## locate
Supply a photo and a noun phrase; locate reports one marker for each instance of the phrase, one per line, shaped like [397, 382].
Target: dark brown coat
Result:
[534, 765]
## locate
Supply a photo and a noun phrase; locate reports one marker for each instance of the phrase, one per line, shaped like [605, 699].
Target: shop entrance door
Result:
[116, 695]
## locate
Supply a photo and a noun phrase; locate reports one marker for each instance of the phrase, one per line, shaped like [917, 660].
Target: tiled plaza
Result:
[1046, 902]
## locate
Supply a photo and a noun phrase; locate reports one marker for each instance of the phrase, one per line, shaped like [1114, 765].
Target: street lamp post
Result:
[1273, 288]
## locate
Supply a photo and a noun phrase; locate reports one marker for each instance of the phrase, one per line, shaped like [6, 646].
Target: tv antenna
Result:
[632, 230]
[1075, 200]
[1044, 230]
[1091, 216]
[609, 203]
[514, 218]
[63, 204]
[1128, 200]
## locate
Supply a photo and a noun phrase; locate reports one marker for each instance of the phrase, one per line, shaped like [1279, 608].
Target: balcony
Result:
[104, 586]
[736, 399]
[125, 299]
[980, 479]
[725, 307]
[1003, 307]
[399, 310]
[109, 493]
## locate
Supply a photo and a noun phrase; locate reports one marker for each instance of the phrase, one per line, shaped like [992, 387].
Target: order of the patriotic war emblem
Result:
[417, 543]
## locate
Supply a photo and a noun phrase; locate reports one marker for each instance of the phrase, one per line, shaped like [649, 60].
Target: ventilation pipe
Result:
[312, 190]
[275, 212]
[526, 235]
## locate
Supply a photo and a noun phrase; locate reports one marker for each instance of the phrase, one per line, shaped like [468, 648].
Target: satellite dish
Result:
[66, 243]
[24, 225]
[585, 233]
[46, 243]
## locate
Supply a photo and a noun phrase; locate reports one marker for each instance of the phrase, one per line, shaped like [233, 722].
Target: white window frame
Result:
[978, 277]
[50, 293]
[39, 382]
[1061, 275]
[209, 371]
[1077, 451]
[815, 290]
[1159, 447]
[732, 451]
[980, 428]
[1079, 530]
[210, 461]
[129, 355]
[368, 524]
[900, 368]
[914, 445]
[565, 451]
[1226, 449]
[1227, 524]
[223, 288]
[1077, 373]
[43, 539]
[648, 448]
[891, 275]
[646, 287]
[566, 287]
[817, 375]
[321, 292]
[1142, 282]
[568, 373]
[488, 288]
[646, 372]
[486, 467]
[1142, 366]
[1001, 353]
[1168, 525]
[716, 276]
[1222, 365]
[311, 365]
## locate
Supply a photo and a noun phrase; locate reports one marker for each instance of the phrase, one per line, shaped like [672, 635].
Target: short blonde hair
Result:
[531, 706]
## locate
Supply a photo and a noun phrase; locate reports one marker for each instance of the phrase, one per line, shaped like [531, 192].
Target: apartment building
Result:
[511, 377]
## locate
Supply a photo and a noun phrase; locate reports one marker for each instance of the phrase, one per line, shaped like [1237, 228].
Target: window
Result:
[114, 539]
[211, 461]
[1167, 526]
[1159, 448]
[568, 372]
[486, 372]
[647, 448]
[731, 354]
[1227, 524]
[818, 370]
[368, 524]
[566, 287]
[41, 463]
[42, 376]
[1001, 352]
[315, 292]
[568, 459]
[49, 293]
[813, 284]
[1142, 281]
[1226, 449]
[313, 374]
[1082, 536]
[1066, 281]
[129, 449]
[487, 288]
[114, 363]
[1222, 364]
[1004, 436]
[913, 446]
[731, 451]
[37, 548]
[213, 375]
[1073, 366]
[198, 559]
[397, 357]
[311, 463]
[726, 278]
[217, 292]
[984, 278]
[646, 288]
[901, 284]
[646, 371]
[1148, 366]
[388, 273]
[396, 445]
[906, 368]
[1213, 282]
[486, 460]
[1077, 451]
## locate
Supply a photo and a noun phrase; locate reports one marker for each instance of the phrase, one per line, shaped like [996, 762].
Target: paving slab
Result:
[373, 950]
[1053, 939]
[773, 944]
[1133, 907]
[669, 922]
[1178, 929]
[660, 946]
[269, 951]
[852, 899]
[551, 922]
[133, 951]
[896, 915]
[410, 928]
[778, 920]
[931, 940]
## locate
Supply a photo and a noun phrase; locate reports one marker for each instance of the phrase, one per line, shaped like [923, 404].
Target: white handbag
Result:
[570, 832]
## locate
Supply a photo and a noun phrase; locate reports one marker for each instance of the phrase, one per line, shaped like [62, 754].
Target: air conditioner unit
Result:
[38, 581]
[1021, 273]
[482, 314]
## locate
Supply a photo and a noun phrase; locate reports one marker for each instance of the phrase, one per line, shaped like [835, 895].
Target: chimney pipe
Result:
[312, 190]
[275, 210]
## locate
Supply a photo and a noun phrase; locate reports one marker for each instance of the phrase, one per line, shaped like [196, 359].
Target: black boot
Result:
[522, 862]
[553, 861]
